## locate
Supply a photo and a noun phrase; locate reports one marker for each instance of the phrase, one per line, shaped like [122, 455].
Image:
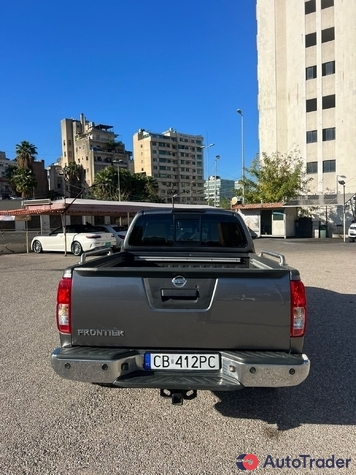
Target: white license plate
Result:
[182, 361]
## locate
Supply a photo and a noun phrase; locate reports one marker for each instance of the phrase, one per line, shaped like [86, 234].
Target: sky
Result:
[131, 64]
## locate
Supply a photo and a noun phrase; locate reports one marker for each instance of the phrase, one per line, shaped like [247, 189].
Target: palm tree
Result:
[25, 154]
[105, 184]
[24, 181]
[74, 175]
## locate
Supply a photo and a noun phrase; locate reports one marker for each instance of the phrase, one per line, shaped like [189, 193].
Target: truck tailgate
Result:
[187, 308]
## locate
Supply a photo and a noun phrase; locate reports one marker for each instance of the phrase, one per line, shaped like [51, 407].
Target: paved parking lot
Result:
[54, 426]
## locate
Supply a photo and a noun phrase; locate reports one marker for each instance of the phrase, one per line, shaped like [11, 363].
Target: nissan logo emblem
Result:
[179, 281]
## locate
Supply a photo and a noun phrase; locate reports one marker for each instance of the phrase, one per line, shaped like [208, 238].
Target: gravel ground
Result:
[54, 426]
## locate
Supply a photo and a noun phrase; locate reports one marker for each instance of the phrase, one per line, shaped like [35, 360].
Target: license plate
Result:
[182, 361]
[107, 244]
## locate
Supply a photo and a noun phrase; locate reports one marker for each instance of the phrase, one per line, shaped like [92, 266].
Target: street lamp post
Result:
[342, 182]
[64, 218]
[207, 157]
[239, 111]
[338, 177]
[216, 162]
[118, 177]
[192, 182]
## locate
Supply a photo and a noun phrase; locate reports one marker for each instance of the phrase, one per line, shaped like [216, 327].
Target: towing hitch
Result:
[178, 396]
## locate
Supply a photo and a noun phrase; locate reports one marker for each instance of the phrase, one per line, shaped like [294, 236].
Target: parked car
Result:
[119, 232]
[352, 232]
[80, 238]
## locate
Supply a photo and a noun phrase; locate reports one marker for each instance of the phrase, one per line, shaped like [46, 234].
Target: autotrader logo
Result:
[247, 462]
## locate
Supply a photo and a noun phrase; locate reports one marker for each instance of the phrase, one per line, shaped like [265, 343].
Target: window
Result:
[311, 105]
[329, 134]
[310, 40]
[327, 4]
[310, 73]
[327, 35]
[309, 7]
[312, 136]
[312, 167]
[277, 216]
[328, 68]
[329, 101]
[329, 166]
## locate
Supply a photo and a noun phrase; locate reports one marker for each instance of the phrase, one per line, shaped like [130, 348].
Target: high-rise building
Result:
[175, 160]
[94, 146]
[217, 188]
[307, 86]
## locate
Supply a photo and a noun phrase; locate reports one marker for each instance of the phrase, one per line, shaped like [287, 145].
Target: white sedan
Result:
[119, 232]
[80, 238]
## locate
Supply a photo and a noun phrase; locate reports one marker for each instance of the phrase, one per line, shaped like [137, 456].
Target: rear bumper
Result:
[124, 368]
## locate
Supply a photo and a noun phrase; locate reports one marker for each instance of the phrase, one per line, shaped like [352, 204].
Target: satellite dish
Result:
[234, 200]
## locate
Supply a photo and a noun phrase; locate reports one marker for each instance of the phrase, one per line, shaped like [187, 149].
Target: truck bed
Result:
[226, 303]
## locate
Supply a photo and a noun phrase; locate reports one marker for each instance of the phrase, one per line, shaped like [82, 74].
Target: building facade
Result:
[175, 160]
[307, 86]
[216, 189]
[5, 188]
[94, 146]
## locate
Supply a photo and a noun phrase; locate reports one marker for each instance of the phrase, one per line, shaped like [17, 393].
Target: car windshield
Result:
[77, 228]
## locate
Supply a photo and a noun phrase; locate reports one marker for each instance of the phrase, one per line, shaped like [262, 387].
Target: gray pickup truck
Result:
[186, 304]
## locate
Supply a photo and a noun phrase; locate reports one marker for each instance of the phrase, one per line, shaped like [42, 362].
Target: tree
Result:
[24, 181]
[133, 187]
[274, 178]
[225, 203]
[25, 155]
[105, 185]
[74, 175]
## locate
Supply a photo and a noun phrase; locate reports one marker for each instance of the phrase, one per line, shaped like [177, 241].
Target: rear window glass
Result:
[175, 230]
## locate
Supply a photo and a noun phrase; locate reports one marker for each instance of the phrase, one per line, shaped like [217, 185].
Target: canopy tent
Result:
[73, 206]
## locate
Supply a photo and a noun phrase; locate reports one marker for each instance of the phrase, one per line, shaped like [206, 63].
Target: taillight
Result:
[298, 310]
[93, 236]
[63, 313]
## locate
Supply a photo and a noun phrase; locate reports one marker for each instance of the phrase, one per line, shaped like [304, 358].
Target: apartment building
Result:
[217, 188]
[94, 146]
[5, 188]
[307, 86]
[175, 160]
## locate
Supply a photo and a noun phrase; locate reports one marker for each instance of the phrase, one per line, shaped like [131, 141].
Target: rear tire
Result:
[77, 249]
[37, 247]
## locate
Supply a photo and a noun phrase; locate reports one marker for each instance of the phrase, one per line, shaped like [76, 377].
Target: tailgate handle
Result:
[177, 294]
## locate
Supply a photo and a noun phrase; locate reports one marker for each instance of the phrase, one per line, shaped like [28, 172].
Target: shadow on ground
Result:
[328, 396]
